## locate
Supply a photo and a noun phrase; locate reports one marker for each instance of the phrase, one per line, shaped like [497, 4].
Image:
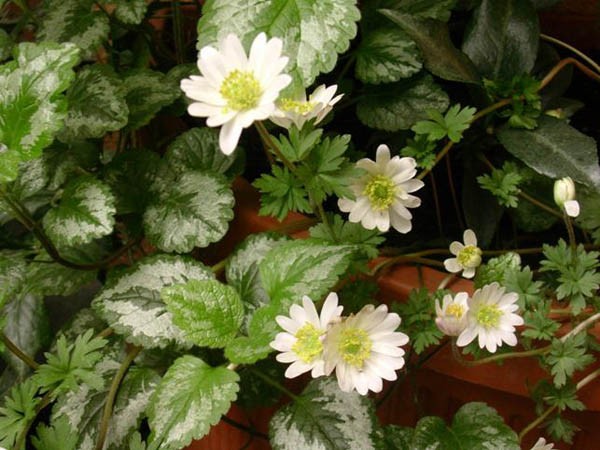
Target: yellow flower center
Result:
[308, 345]
[296, 106]
[455, 310]
[380, 190]
[355, 346]
[241, 90]
[489, 316]
[470, 256]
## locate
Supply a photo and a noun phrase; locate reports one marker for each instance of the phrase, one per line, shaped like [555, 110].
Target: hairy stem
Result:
[112, 394]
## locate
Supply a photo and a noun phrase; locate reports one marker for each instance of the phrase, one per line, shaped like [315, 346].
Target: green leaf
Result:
[439, 54]
[394, 437]
[326, 418]
[72, 364]
[147, 92]
[281, 193]
[198, 149]
[313, 33]
[502, 38]
[12, 274]
[190, 211]
[561, 429]
[242, 269]
[18, 409]
[129, 174]
[75, 21]
[385, 55]
[503, 184]
[27, 325]
[475, 425]
[46, 277]
[31, 105]
[96, 104]
[130, 12]
[131, 302]
[432, 9]
[563, 398]
[6, 44]
[208, 312]
[496, 269]
[567, 152]
[521, 282]
[190, 399]
[400, 105]
[57, 436]
[567, 356]
[86, 212]
[452, 124]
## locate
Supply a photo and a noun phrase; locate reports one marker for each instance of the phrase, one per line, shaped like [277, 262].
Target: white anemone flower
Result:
[541, 444]
[564, 196]
[491, 318]
[299, 111]
[468, 255]
[383, 194]
[364, 349]
[302, 342]
[452, 314]
[234, 89]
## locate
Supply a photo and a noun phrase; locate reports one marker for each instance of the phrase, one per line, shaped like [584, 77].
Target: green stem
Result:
[18, 352]
[112, 394]
[588, 379]
[499, 357]
[46, 399]
[266, 137]
[178, 31]
[220, 266]
[536, 422]
[570, 232]
[540, 204]
[270, 381]
[582, 326]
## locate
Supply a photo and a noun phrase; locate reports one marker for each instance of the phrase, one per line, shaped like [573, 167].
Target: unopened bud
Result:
[564, 196]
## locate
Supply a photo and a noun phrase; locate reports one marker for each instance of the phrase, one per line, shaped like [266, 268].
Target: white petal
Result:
[469, 272]
[346, 205]
[298, 314]
[572, 208]
[383, 220]
[383, 155]
[361, 208]
[289, 325]
[205, 110]
[219, 119]
[466, 337]
[368, 165]
[469, 238]
[297, 368]
[229, 137]
[456, 247]
[274, 88]
[198, 91]
[287, 357]
[233, 53]
[412, 185]
[399, 223]
[330, 309]
[311, 311]
[452, 265]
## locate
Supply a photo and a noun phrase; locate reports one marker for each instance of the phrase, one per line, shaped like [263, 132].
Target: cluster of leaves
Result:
[503, 184]
[526, 104]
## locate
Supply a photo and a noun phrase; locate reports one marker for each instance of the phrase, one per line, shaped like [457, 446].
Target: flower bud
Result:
[452, 315]
[564, 196]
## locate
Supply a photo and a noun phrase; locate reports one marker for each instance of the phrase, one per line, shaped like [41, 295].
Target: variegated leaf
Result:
[86, 212]
[131, 303]
[190, 399]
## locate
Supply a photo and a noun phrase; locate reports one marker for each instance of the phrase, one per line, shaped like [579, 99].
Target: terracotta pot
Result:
[442, 386]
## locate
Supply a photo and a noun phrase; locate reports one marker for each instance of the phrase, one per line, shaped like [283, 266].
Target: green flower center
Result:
[455, 310]
[308, 345]
[470, 256]
[295, 106]
[489, 316]
[380, 190]
[355, 346]
[241, 90]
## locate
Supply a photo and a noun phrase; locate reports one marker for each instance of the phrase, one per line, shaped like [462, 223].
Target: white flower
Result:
[542, 445]
[468, 255]
[383, 194]
[564, 196]
[364, 349]
[452, 315]
[299, 111]
[302, 342]
[234, 89]
[491, 318]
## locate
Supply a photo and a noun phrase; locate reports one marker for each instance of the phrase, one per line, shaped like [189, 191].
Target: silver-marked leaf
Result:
[198, 149]
[96, 104]
[555, 149]
[190, 211]
[86, 212]
[190, 399]
[46, 277]
[147, 92]
[74, 21]
[130, 11]
[31, 105]
[313, 32]
[386, 54]
[324, 418]
[131, 304]
[399, 106]
[242, 269]
[209, 313]
[6, 45]
[27, 326]
[12, 274]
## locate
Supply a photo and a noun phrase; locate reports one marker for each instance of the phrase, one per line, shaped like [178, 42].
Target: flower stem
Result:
[499, 357]
[579, 53]
[112, 394]
[536, 422]
[46, 399]
[18, 352]
[570, 232]
[266, 137]
[564, 63]
[270, 381]
[582, 326]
